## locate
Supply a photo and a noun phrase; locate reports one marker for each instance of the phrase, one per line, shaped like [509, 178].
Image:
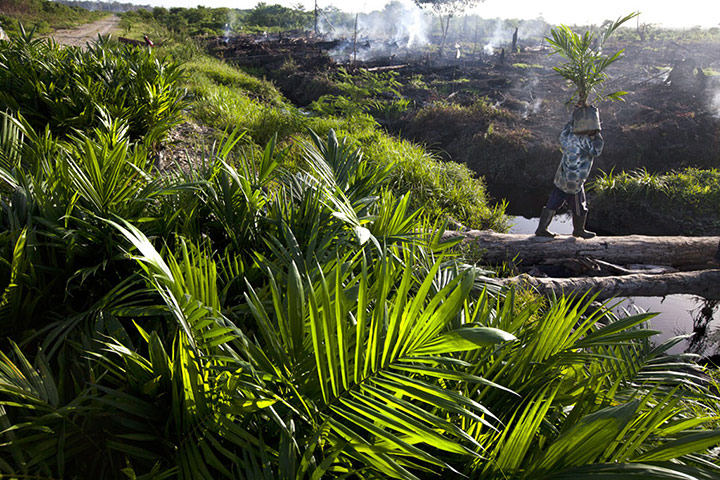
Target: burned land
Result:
[501, 111]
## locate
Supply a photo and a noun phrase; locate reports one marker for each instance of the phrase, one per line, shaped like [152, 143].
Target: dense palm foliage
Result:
[244, 321]
[67, 88]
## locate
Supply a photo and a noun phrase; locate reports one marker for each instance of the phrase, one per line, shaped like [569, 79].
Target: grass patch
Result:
[527, 65]
[690, 197]
[480, 109]
[226, 97]
[222, 74]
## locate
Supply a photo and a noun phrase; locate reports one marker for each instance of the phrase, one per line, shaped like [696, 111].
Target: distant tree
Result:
[445, 10]
[159, 13]
[264, 15]
[98, 5]
[331, 18]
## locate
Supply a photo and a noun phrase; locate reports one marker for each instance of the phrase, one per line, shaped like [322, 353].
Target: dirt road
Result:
[87, 33]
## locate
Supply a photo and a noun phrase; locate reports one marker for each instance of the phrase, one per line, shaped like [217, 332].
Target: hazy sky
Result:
[687, 13]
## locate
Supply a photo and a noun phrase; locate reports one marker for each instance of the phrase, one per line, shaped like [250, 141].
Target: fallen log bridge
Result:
[704, 283]
[677, 252]
[634, 265]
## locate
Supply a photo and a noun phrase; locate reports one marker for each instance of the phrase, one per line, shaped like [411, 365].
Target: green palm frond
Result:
[586, 64]
[66, 87]
[346, 180]
[371, 343]
[11, 141]
[42, 433]
[598, 393]
[349, 347]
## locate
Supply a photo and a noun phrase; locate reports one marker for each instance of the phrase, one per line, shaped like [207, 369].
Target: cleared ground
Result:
[87, 33]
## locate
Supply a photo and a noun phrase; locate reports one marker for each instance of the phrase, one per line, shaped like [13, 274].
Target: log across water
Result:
[632, 249]
[704, 283]
[694, 255]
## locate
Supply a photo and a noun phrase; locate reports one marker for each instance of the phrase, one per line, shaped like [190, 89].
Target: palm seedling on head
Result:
[586, 64]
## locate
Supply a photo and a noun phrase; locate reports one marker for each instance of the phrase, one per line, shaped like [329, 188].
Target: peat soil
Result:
[501, 114]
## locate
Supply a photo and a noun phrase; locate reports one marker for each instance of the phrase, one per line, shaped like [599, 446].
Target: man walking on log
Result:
[580, 142]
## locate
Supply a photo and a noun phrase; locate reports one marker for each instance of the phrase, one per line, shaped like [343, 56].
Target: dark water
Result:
[680, 315]
[527, 202]
[560, 224]
[677, 314]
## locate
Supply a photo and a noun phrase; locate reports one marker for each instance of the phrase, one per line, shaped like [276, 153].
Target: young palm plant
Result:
[586, 64]
[66, 86]
[596, 399]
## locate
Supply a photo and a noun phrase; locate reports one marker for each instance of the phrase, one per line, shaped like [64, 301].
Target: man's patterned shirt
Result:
[579, 151]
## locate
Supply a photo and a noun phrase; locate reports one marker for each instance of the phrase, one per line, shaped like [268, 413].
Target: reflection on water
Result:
[707, 332]
[521, 201]
[561, 224]
[526, 203]
[679, 315]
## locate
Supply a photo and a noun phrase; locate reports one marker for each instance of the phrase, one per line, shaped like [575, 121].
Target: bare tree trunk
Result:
[475, 42]
[641, 254]
[444, 28]
[442, 35]
[355, 40]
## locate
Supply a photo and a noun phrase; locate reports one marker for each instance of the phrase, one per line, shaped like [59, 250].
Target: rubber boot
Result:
[579, 227]
[545, 218]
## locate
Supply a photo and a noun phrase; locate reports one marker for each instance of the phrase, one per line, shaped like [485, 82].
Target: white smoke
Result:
[231, 21]
[536, 105]
[533, 104]
[229, 27]
[715, 104]
[528, 31]
[412, 30]
[397, 30]
[498, 37]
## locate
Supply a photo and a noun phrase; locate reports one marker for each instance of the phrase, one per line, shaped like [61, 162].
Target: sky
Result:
[685, 14]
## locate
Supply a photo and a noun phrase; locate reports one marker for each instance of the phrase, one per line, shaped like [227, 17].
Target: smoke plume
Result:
[396, 30]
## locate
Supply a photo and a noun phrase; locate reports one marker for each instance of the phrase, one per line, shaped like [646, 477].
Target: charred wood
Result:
[387, 67]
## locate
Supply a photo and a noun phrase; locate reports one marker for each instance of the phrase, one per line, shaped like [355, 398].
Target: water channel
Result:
[677, 314]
